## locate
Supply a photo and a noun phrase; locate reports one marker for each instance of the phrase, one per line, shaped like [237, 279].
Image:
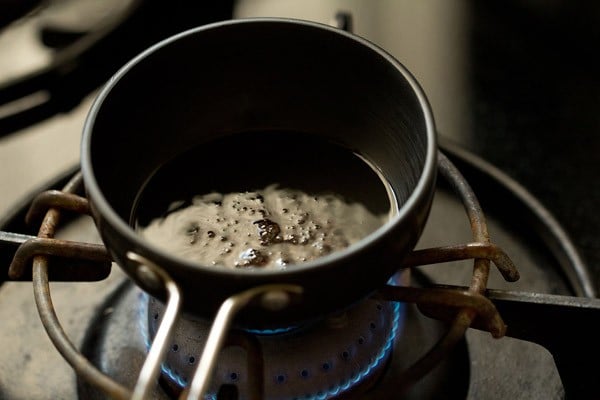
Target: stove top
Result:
[104, 322]
[512, 85]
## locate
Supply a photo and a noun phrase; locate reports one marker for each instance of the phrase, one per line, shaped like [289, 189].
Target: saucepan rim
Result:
[423, 186]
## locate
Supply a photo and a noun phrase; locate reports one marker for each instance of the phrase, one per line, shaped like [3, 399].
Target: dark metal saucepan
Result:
[276, 75]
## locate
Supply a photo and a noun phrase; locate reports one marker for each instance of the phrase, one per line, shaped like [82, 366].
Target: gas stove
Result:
[492, 136]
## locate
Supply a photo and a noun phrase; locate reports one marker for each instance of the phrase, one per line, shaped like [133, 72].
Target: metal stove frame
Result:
[461, 307]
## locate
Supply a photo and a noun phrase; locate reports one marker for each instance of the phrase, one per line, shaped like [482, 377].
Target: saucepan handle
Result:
[273, 297]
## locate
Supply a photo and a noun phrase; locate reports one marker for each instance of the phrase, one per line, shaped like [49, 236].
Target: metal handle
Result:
[274, 297]
[156, 276]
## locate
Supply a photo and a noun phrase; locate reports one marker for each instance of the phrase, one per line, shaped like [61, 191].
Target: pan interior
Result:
[251, 161]
[266, 77]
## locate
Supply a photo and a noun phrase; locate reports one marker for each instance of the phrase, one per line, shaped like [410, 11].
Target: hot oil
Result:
[263, 199]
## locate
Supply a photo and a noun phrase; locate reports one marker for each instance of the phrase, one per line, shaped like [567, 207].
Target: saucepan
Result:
[234, 78]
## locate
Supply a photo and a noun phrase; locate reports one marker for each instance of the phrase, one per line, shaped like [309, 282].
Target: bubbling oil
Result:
[262, 200]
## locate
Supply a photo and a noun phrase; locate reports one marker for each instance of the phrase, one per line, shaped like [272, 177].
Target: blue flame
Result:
[166, 370]
[268, 332]
[398, 310]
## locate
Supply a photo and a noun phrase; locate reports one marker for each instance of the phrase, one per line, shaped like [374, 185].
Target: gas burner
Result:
[325, 359]
[114, 341]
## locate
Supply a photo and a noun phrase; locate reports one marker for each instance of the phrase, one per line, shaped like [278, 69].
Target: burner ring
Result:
[321, 360]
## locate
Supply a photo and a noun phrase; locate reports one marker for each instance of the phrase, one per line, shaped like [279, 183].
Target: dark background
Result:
[536, 106]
